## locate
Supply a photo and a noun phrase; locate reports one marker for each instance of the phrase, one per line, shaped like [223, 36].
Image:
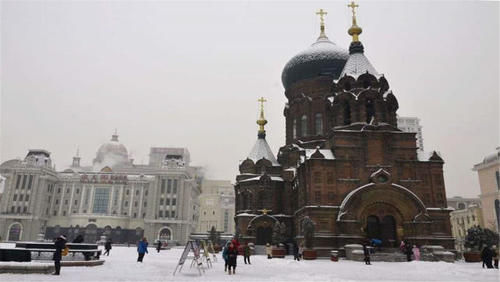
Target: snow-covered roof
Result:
[261, 150]
[358, 64]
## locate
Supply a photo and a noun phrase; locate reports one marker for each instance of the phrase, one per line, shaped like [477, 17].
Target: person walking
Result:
[142, 249]
[269, 251]
[107, 247]
[158, 246]
[60, 244]
[416, 252]
[224, 255]
[232, 254]
[366, 252]
[246, 253]
[296, 255]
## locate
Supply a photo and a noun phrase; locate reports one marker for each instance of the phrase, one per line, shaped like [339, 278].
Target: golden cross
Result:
[321, 13]
[353, 6]
[262, 100]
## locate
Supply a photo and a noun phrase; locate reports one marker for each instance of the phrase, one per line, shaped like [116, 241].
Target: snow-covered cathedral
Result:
[345, 164]
[113, 197]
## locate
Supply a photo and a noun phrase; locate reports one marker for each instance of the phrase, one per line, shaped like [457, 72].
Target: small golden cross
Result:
[353, 6]
[321, 13]
[262, 100]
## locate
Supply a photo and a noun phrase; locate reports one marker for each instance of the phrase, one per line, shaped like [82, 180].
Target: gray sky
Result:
[189, 74]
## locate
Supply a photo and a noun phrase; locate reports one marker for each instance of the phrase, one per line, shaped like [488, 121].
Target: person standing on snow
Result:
[416, 252]
[224, 256]
[495, 256]
[142, 249]
[408, 251]
[246, 253]
[158, 246]
[269, 251]
[232, 254]
[60, 244]
[296, 255]
[366, 252]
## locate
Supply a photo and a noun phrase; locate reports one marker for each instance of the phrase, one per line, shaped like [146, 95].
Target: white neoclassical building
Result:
[112, 197]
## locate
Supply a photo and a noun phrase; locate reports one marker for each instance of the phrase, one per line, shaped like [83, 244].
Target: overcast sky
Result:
[189, 74]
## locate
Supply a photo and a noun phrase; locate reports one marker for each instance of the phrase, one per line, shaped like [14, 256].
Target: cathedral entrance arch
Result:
[372, 227]
[262, 227]
[165, 234]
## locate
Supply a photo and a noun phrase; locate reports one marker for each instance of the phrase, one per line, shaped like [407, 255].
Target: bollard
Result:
[334, 255]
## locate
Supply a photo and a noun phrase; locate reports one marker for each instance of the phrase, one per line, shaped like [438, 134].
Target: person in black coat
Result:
[232, 254]
[296, 254]
[60, 244]
[107, 247]
[366, 252]
[408, 250]
[158, 246]
[487, 257]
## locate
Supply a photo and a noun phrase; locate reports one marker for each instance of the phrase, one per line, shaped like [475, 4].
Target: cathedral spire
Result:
[322, 13]
[262, 121]
[354, 30]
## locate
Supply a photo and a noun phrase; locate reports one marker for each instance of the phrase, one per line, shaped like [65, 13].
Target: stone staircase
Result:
[387, 254]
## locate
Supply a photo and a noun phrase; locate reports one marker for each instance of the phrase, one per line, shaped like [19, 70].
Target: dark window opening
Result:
[370, 110]
[347, 113]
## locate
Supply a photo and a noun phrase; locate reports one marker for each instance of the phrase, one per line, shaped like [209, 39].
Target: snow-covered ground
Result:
[121, 265]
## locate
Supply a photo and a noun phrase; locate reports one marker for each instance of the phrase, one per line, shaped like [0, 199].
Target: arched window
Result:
[303, 125]
[461, 206]
[370, 110]
[318, 123]
[294, 128]
[15, 231]
[347, 113]
[165, 234]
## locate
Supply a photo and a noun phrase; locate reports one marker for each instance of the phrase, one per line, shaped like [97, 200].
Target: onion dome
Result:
[111, 153]
[323, 57]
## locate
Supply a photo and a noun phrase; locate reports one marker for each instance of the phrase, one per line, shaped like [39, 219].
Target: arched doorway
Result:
[15, 232]
[264, 235]
[165, 234]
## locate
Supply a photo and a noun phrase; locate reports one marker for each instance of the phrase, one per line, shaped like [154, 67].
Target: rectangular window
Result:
[175, 186]
[30, 182]
[57, 201]
[126, 203]
[173, 202]
[101, 200]
[14, 198]
[64, 213]
[54, 213]
[12, 209]
[167, 214]
[18, 181]
[135, 215]
[87, 196]
[163, 186]
[24, 182]
[160, 213]
[145, 204]
[173, 214]
[169, 186]
[18, 209]
[161, 201]
[76, 202]
[27, 198]
[115, 196]
[167, 202]
[135, 204]
[21, 197]
[25, 209]
[65, 202]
